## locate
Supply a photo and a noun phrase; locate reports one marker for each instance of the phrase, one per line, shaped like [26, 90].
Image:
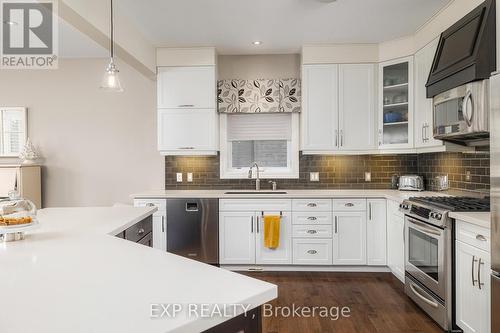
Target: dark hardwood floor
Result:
[376, 300]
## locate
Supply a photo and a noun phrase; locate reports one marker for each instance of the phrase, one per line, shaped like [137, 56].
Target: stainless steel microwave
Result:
[461, 115]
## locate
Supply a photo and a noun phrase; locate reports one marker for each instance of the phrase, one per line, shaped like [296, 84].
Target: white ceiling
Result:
[283, 26]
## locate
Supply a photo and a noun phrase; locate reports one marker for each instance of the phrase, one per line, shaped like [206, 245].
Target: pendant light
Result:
[110, 80]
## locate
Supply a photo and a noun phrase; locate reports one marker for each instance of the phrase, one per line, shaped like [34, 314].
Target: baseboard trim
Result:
[294, 268]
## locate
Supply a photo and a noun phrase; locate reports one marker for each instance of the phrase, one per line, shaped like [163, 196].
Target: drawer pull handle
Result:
[312, 218]
[141, 231]
[312, 232]
[312, 251]
[149, 204]
[481, 238]
[349, 204]
[312, 204]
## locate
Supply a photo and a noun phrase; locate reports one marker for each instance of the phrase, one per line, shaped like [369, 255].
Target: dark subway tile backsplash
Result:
[343, 172]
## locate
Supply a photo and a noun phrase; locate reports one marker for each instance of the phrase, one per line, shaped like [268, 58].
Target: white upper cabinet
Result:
[423, 105]
[186, 87]
[357, 125]
[395, 130]
[188, 131]
[376, 231]
[319, 116]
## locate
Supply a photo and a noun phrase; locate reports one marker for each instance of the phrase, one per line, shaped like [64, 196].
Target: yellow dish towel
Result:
[272, 231]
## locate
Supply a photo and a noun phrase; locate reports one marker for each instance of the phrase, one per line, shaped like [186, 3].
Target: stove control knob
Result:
[438, 216]
[433, 215]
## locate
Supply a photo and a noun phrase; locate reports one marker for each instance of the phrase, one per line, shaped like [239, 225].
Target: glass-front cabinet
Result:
[396, 104]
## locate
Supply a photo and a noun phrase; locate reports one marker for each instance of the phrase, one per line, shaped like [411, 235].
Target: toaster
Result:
[411, 183]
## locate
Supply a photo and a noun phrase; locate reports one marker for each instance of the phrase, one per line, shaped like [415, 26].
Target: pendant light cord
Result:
[112, 32]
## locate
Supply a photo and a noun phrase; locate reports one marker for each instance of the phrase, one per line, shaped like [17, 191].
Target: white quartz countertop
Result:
[388, 194]
[482, 219]
[73, 275]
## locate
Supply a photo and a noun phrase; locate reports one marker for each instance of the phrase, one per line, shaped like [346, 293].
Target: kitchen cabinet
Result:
[376, 231]
[349, 238]
[423, 105]
[338, 104]
[241, 238]
[472, 282]
[281, 255]
[186, 87]
[159, 220]
[319, 116]
[395, 240]
[188, 131]
[357, 124]
[237, 237]
[395, 130]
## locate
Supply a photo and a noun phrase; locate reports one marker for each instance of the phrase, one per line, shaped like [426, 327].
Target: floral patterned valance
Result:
[259, 96]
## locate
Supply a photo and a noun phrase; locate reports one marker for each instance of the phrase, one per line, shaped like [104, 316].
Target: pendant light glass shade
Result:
[110, 80]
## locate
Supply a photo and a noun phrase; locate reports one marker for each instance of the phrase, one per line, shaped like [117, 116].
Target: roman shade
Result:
[242, 127]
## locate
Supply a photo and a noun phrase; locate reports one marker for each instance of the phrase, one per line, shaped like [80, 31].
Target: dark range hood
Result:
[466, 51]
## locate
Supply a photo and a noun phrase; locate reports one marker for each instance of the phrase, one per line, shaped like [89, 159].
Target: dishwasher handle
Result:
[191, 206]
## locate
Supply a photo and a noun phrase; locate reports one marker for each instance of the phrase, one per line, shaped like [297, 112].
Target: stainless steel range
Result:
[429, 252]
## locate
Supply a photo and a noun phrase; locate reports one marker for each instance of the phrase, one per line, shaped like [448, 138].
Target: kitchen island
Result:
[73, 275]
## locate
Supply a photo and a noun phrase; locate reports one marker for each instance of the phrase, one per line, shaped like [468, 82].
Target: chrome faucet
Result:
[250, 174]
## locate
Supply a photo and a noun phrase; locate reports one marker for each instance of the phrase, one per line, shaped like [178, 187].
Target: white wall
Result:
[248, 67]
[98, 147]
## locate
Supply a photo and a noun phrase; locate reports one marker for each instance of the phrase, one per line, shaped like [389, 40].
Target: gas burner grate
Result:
[456, 204]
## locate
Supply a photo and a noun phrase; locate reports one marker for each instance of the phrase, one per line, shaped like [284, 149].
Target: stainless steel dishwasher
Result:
[193, 229]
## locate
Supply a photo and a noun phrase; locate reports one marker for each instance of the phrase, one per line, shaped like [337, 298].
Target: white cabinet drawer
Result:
[312, 231]
[161, 204]
[256, 205]
[312, 251]
[312, 205]
[347, 205]
[312, 218]
[473, 235]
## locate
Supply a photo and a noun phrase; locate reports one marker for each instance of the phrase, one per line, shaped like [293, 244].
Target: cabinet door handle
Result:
[423, 132]
[481, 238]
[162, 223]
[479, 284]
[251, 224]
[186, 105]
[336, 138]
[312, 251]
[312, 232]
[370, 211]
[258, 221]
[473, 279]
[341, 138]
[380, 137]
[186, 148]
[336, 227]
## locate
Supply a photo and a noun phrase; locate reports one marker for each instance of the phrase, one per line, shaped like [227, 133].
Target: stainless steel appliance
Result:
[411, 183]
[193, 229]
[461, 115]
[429, 252]
[495, 200]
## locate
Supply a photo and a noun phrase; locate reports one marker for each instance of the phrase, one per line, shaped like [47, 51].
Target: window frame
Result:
[24, 112]
[291, 172]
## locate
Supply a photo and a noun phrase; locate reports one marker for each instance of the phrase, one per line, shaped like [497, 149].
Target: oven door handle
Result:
[422, 297]
[423, 227]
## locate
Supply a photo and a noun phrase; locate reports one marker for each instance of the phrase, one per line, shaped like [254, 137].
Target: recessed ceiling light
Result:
[257, 42]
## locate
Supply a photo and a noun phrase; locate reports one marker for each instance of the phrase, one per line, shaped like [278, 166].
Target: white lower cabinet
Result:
[376, 232]
[349, 238]
[281, 255]
[237, 237]
[395, 240]
[473, 309]
[311, 251]
[241, 239]
[159, 220]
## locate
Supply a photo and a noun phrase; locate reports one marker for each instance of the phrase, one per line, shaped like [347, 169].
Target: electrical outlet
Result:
[368, 176]
[467, 176]
[314, 176]
[179, 177]
[190, 177]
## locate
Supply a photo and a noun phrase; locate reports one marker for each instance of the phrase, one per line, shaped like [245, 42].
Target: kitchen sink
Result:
[255, 192]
